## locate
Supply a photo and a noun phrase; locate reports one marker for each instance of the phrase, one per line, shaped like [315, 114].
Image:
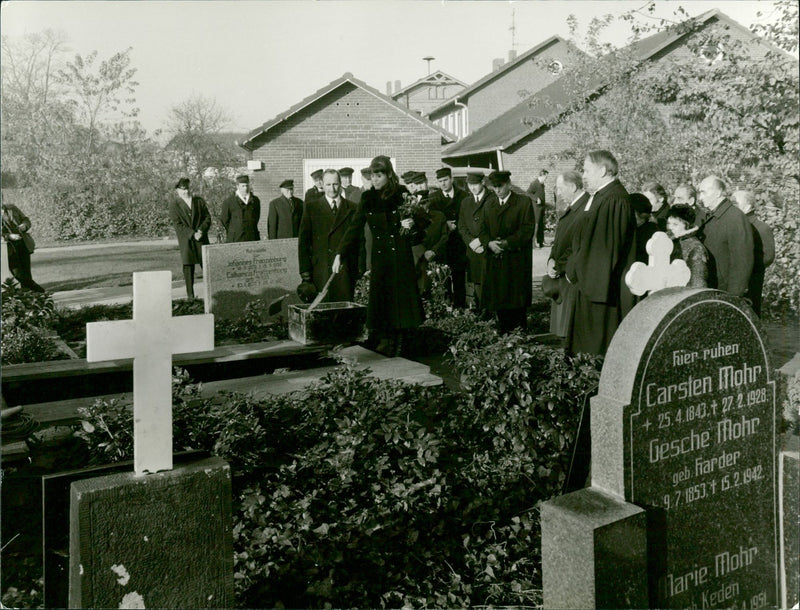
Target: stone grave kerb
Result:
[151, 338]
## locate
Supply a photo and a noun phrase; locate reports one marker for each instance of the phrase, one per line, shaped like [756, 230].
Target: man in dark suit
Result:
[571, 196]
[241, 213]
[602, 250]
[763, 246]
[728, 239]
[325, 220]
[469, 224]
[686, 194]
[349, 192]
[506, 232]
[537, 195]
[285, 213]
[316, 190]
[448, 202]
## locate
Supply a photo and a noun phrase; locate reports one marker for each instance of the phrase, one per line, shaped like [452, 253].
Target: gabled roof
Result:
[249, 141]
[437, 78]
[547, 105]
[494, 75]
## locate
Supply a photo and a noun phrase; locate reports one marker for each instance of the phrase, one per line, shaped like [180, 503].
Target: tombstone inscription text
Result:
[698, 447]
[238, 273]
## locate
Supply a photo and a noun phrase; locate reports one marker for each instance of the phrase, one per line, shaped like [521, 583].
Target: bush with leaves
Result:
[26, 318]
[358, 492]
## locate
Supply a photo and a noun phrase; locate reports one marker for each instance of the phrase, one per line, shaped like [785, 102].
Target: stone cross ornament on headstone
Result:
[658, 273]
[151, 338]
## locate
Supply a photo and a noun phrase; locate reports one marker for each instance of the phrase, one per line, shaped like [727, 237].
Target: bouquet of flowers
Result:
[412, 209]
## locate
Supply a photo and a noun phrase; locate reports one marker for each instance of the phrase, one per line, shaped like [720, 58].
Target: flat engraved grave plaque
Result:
[699, 449]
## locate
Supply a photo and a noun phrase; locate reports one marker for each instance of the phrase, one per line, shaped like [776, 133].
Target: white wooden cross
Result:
[658, 273]
[151, 338]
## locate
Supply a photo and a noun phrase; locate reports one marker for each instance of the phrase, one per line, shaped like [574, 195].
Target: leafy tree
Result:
[726, 106]
[99, 94]
[34, 114]
[195, 125]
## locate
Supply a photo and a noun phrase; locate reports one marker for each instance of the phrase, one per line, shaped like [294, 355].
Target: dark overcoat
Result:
[394, 300]
[763, 255]
[187, 222]
[603, 247]
[562, 309]
[456, 253]
[507, 279]
[312, 193]
[469, 226]
[660, 217]
[729, 241]
[318, 243]
[240, 220]
[283, 217]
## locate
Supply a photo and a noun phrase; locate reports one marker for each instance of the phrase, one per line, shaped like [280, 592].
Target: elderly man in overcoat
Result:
[506, 234]
[728, 237]
[285, 213]
[240, 213]
[191, 219]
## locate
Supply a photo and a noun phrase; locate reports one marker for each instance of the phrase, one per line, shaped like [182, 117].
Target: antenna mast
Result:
[513, 29]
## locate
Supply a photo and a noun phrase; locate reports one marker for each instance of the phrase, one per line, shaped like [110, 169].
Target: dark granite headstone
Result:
[684, 425]
[237, 273]
[55, 522]
[163, 540]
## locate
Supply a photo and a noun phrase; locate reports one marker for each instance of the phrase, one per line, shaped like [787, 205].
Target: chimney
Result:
[397, 86]
[388, 87]
[497, 64]
[512, 55]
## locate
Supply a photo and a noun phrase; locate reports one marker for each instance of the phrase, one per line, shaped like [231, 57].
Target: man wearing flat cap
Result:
[191, 220]
[469, 220]
[448, 202]
[285, 212]
[241, 213]
[325, 220]
[506, 234]
[350, 192]
[316, 190]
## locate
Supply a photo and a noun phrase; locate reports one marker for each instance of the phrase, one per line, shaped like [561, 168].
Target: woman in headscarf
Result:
[394, 300]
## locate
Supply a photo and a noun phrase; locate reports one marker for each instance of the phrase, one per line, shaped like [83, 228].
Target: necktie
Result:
[335, 206]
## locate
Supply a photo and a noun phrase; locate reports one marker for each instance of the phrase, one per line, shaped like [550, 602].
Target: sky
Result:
[258, 58]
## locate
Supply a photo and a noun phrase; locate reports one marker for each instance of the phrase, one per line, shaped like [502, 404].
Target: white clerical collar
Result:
[581, 194]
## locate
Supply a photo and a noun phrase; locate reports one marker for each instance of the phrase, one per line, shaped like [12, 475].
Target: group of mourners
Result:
[485, 235]
[604, 229]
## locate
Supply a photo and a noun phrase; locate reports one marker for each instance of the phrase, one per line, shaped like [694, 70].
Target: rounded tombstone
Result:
[684, 425]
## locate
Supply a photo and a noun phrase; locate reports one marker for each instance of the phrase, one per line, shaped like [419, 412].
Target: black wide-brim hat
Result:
[550, 287]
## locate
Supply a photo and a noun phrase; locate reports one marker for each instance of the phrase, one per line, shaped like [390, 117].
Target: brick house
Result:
[529, 136]
[427, 93]
[346, 123]
[503, 87]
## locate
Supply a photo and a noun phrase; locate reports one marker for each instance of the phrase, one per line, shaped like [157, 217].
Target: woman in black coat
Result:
[191, 220]
[394, 301]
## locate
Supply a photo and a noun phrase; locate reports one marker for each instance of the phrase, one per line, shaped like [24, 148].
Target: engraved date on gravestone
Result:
[702, 454]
